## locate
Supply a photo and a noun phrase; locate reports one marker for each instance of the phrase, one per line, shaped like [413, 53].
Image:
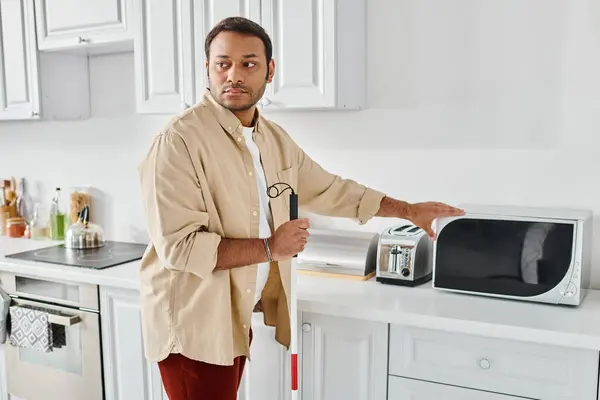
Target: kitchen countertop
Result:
[422, 306]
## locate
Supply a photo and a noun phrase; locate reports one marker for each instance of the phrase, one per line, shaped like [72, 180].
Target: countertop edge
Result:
[451, 325]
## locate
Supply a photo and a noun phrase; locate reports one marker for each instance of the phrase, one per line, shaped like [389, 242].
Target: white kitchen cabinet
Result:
[411, 389]
[207, 13]
[34, 85]
[343, 358]
[19, 82]
[163, 55]
[319, 48]
[169, 49]
[267, 376]
[510, 367]
[67, 24]
[127, 373]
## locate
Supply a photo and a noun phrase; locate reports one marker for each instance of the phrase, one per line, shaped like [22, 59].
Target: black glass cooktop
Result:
[113, 253]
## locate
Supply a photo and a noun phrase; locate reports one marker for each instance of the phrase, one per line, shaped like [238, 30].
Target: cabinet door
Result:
[303, 36]
[319, 53]
[267, 376]
[71, 23]
[410, 389]
[19, 83]
[207, 13]
[163, 55]
[127, 373]
[343, 358]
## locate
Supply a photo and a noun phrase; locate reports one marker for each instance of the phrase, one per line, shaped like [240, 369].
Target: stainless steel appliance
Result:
[71, 371]
[111, 254]
[404, 256]
[339, 253]
[522, 253]
[83, 234]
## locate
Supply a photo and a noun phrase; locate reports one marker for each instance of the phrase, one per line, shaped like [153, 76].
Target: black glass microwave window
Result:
[508, 257]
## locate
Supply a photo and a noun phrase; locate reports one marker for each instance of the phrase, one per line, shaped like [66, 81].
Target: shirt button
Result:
[254, 213]
[250, 173]
[244, 326]
[248, 290]
[239, 139]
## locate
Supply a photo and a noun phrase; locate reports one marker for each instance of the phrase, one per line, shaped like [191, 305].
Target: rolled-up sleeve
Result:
[175, 209]
[324, 193]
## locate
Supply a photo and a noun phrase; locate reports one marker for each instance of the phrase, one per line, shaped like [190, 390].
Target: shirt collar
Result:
[226, 118]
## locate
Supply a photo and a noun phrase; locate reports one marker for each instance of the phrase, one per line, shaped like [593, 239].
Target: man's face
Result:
[237, 70]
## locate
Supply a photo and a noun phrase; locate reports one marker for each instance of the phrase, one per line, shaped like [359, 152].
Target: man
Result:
[220, 248]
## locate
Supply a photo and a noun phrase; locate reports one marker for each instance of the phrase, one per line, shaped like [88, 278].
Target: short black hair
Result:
[240, 25]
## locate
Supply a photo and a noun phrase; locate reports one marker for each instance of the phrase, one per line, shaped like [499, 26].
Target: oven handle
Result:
[65, 320]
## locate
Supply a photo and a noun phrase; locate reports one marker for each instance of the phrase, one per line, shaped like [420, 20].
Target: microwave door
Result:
[513, 258]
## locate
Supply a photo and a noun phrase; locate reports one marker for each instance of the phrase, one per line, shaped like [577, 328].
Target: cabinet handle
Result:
[484, 363]
[306, 327]
[34, 114]
[83, 40]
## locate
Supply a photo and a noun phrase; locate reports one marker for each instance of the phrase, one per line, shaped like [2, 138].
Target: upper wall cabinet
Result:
[163, 55]
[29, 88]
[169, 49]
[19, 83]
[66, 24]
[319, 51]
[207, 14]
[319, 47]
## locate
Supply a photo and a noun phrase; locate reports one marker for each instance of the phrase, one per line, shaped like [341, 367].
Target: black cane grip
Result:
[293, 206]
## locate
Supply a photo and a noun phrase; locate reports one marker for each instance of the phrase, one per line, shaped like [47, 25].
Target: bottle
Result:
[57, 217]
[39, 224]
[24, 201]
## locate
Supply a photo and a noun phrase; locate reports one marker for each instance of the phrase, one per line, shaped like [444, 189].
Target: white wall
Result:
[469, 101]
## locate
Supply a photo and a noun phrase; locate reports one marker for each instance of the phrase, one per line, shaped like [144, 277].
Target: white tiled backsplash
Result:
[462, 108]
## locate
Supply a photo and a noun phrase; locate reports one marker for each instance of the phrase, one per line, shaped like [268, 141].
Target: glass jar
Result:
[39, 225]
[79, 197]
[15, 227]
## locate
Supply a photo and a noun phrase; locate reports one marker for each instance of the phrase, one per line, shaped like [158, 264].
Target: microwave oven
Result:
[521, 253]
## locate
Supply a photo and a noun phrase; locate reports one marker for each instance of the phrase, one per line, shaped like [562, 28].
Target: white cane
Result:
[293, 298]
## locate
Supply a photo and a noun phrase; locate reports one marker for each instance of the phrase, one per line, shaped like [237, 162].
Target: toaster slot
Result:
[400, 229]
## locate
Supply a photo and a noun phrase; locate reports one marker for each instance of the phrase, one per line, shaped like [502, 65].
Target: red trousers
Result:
[186, 379]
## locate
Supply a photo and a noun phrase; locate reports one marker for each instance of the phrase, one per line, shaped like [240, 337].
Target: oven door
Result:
[516, 257]
[73, 371]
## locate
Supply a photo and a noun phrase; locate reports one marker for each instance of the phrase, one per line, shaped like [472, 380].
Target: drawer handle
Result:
[484, 363]
[306, 327]
[65, 320]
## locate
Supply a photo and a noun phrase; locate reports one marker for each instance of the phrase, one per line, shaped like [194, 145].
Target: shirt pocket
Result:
[285, 177]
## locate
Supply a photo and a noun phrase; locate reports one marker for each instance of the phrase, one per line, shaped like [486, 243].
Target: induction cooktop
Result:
[110, 255]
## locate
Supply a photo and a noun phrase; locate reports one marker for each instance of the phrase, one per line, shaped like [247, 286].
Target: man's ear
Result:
[271, 71]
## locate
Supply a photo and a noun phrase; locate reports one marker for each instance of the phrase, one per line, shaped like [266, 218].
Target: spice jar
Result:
[15, 227]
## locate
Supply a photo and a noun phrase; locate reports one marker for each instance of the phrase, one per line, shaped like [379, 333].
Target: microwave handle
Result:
[65, 320]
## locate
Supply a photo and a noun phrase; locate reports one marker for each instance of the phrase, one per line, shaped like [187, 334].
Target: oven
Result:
[73, 369]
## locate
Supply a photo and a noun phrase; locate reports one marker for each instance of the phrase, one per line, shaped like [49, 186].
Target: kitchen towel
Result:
[4, 306]
[30, 328]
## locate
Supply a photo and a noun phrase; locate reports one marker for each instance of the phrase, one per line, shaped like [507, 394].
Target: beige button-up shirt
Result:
[198, 186]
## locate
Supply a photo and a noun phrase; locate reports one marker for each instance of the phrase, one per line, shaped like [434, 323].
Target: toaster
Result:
[404, 256]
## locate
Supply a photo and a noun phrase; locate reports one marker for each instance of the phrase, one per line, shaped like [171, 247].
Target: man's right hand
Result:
[289, 239]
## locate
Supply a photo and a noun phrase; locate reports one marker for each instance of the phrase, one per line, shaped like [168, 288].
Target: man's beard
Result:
[254, 97]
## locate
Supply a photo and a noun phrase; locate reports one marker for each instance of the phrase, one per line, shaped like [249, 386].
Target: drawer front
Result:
[503, 366]
[411, 389]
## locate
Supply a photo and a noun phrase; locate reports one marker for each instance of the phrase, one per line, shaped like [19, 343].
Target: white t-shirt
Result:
[265, 218]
